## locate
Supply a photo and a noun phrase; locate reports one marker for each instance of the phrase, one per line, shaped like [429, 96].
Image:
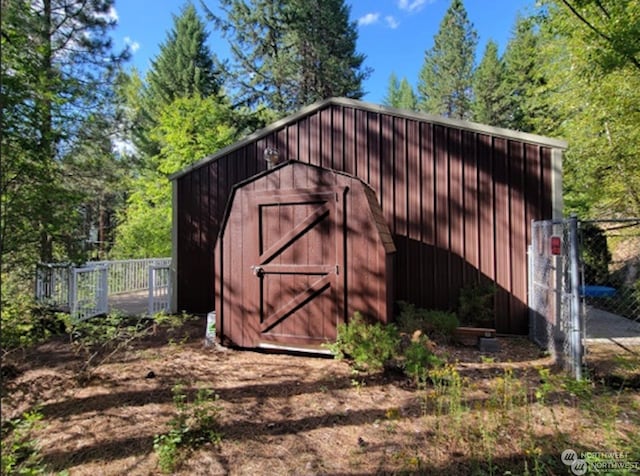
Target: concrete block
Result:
[488, 344]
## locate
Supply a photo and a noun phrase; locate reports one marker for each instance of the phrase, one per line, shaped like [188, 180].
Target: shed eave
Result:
[375, 108]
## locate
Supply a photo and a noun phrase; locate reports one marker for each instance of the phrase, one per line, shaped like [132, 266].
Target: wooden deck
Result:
[133, 304]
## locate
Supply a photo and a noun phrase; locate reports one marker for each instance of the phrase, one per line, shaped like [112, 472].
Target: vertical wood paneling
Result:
[374, 157]
[339, 132]
[518, 235]
[414, 205]
[457, 213]
[459, 202]
[315, 132]
[387, 166]
[428, 199]
[360, 139]
[486, 206]
[503, 224]
[470, 207]
[442, 229]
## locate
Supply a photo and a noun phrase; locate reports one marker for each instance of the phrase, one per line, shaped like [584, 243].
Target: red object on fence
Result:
[556, 245]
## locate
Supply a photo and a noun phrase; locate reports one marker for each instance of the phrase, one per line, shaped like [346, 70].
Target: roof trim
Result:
[370, 107]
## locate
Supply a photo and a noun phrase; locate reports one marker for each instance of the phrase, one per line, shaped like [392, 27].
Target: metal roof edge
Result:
[260, 133]
[376, 108]
[458, 123]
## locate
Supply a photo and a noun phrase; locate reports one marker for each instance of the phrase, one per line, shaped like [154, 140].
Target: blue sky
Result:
[393, 34]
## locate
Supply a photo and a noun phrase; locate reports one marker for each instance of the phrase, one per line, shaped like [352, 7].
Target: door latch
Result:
[257, 270]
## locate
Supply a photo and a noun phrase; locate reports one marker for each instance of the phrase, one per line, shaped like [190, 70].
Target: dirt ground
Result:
[290, 414]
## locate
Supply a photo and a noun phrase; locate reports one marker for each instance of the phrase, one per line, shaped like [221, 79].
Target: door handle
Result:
[257, 270]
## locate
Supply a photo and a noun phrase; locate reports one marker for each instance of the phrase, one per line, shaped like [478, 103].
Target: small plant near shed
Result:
[194, 425]
[436, 324]
[369, 346]
[419, 358]
[20, 452]
[475, 306]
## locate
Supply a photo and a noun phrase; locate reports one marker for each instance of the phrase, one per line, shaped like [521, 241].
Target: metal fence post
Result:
[576, 322]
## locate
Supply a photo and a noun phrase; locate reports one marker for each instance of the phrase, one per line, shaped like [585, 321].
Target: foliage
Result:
[590, 55]
[489, 102]
[400, 94]
[20, 452]
[445, 81]
[188, 129]
[419, 358]
[24, 323]
[369, 346]
[434, 323]
[195, 424]
[595, 254]
[98, 339]
[57, 68]
[288, 54]
[475, 305]
[525, 82]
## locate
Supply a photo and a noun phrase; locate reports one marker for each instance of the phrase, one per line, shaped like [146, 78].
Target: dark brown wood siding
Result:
[458, 202]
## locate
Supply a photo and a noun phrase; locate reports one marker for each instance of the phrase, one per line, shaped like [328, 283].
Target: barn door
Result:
[299, 252]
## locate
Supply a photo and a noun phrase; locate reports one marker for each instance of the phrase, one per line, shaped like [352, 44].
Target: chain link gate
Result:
[584, 286]
[555, 321]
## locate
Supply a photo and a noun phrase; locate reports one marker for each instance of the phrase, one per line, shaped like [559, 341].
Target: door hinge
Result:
[337, 269]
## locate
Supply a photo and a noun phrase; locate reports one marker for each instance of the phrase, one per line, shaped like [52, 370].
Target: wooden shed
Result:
[300, 249]
[458, 198]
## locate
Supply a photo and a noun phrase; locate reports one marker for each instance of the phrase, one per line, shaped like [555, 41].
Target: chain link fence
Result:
[584, 285]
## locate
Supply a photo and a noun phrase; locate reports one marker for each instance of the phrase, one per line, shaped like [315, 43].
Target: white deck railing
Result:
[84, 290]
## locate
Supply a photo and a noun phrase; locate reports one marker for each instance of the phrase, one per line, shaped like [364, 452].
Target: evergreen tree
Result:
[489, 101]
[445, 81]
[184, 67]
[176, 116]
[400, 94]
[57, 70]
[525, 80]
[288, 54]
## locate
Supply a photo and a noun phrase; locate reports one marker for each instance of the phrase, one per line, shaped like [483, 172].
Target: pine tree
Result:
[525, 80]
[445, 81]
[288, 54]
[400, 94]
[57, 71]
[489, 102]
[185, 65]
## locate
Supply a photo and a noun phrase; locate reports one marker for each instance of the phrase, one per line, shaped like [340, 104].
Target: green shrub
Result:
[369, 346]
[434, 323]
[419, 359]
[194, 425]
[20, 452]
[475, 306]
[24, 323]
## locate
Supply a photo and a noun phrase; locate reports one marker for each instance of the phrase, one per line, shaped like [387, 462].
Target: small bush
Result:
[194, 425]
[23, 322]
[419, 358]
[369, 346]
[475, 306]
[439, 325]
[20, 452]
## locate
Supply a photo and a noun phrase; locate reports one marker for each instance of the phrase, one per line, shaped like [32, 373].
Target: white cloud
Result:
[392, 22]
[412, 6]
[133, 45]
[369, 19]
